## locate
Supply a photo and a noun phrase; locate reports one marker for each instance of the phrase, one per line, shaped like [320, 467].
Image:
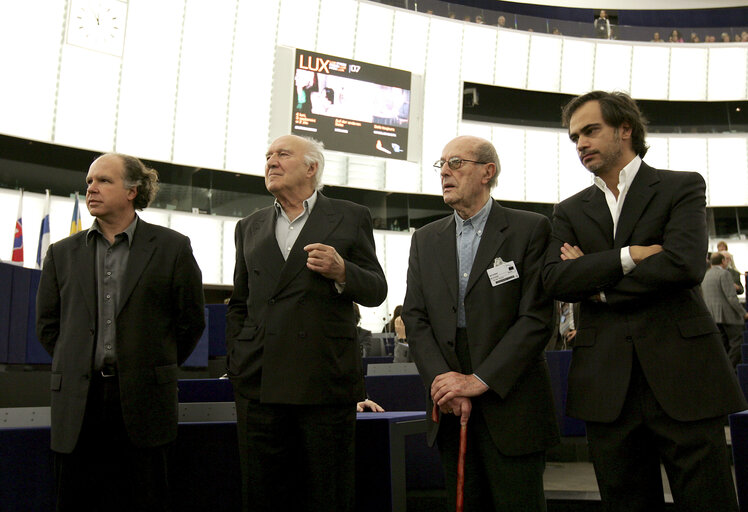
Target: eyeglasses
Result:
[454, 163]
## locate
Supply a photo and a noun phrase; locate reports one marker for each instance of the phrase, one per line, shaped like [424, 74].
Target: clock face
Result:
[97, 25]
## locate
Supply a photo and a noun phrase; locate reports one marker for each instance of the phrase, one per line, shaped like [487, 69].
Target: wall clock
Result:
[97, 25]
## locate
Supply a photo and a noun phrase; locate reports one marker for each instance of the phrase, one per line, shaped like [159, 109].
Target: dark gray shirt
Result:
[111, 265]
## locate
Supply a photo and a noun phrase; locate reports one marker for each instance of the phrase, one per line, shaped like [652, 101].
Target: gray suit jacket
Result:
[507, 325]
[160, 320]
[720, 297]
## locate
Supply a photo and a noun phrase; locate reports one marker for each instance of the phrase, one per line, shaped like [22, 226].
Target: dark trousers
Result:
[493, 481]
[106, 472]
[626, 455]
[732, 338]
[296, 457]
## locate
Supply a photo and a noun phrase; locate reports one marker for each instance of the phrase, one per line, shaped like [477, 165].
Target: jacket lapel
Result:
[86, 256]
[318, 226]
[596, 208]
[637, 199]
[141, 250]
[268, 255]
[446, 243]
[490, 242]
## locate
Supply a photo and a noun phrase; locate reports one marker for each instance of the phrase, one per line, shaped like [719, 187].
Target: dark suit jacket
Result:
[291, 337]
[656, 310]
[160, 320]
[508, 325]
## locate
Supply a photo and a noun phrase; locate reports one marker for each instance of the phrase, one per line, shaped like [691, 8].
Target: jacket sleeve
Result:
[421, 340]
[365, 283]
[190, 302]
[48, 304]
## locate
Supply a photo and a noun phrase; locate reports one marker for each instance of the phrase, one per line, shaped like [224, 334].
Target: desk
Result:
[739, 439]
[380, 458]
[204, 467]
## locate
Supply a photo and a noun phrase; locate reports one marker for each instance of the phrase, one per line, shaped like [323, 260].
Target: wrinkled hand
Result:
[570, 253]
[325, 260]
[448, 386]
[369, 404]
[641, 252]
[571, 335]
[460, 406]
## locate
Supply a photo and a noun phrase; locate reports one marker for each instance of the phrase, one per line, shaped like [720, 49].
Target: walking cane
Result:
[460, 459]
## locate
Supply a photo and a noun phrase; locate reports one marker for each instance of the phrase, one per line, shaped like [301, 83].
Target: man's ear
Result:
[312, 169]
[132, 193]
[625, 130]
[490, 172]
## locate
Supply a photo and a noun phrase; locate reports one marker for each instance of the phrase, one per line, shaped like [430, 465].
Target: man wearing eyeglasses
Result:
[477, 322]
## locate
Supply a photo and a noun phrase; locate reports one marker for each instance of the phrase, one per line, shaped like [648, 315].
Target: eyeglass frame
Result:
[440, 163]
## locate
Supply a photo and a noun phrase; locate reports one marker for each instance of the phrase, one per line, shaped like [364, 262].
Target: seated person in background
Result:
[363, 336]
[725, 37]
[390, 326]
[656, 38]
[402, 351]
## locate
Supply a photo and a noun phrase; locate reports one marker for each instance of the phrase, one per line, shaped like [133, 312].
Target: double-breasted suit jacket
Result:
[508, 325]
[655, 311]
[159, 322]
[291, 336]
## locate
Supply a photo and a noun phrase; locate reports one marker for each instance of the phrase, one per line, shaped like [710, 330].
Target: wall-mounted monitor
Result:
[350, 106]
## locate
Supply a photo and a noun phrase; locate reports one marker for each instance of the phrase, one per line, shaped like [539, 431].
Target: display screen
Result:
[351, 106]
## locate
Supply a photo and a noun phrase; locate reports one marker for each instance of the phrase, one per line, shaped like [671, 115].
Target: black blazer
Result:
[656, 310]
[160, 320]
[291, 337]
[508, 325]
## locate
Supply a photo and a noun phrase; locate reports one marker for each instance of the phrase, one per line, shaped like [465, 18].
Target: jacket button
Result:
[272, 301]
[302, 334]
[629, 339]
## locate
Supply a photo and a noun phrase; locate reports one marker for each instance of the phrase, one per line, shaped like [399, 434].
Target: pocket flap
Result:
[55, 381]
[247, 333]
[697, 326]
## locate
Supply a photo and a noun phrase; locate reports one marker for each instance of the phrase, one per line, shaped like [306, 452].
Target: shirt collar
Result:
[477, 220]
[309, 203]
[129, 231]
[625, 177]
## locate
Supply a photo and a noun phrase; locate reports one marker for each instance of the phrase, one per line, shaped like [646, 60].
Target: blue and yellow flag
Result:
[75, 224]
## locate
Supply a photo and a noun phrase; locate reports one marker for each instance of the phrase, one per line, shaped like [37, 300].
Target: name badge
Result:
[502, 272]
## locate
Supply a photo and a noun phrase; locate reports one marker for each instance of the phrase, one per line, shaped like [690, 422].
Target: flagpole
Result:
[17, 255]
[41, 250]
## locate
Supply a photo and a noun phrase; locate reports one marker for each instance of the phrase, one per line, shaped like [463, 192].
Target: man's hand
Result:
[448, 386]
[325, 260]
[641, 252]
[368, 404]
[460, 406]
[570, 253]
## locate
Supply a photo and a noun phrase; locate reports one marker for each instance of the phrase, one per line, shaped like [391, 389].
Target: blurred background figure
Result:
[390, 326]
[363, 336]
[602, 26]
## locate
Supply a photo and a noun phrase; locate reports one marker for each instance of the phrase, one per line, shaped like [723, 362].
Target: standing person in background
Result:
[477, 321]
[648, 375]
[722, 302]
[292, 356]
[602, 26]
[119, 306]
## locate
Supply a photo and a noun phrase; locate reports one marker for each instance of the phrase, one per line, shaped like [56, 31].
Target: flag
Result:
[75, 224]
[41, 250]
[17, 257]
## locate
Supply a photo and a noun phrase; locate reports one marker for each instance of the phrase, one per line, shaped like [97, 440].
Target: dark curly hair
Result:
[617, 108]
